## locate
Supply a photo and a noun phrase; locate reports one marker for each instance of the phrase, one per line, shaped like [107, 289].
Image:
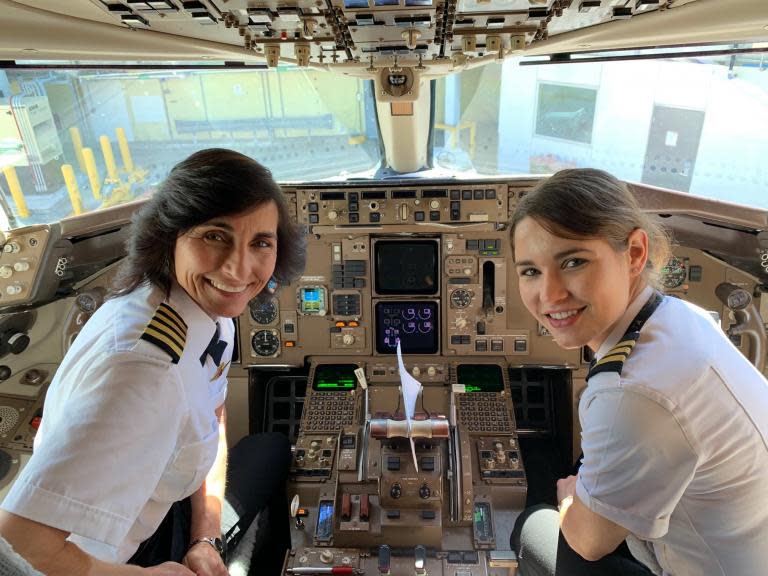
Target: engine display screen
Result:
[480, 377]
[334, 377]
[406, 267]
[413, 323]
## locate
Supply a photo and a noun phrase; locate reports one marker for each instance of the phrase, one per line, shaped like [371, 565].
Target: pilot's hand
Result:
[566, 488]
[169, 569]
[203, 560]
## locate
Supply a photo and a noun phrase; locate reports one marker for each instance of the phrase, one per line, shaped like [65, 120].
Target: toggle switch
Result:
[420, 559]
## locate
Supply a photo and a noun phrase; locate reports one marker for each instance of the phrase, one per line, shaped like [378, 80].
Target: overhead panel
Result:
[374, 32]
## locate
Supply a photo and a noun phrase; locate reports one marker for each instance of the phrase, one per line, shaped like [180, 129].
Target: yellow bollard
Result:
[109, 158]
[15, 187]
[77, 142]
[74, 191]
[93, 173]
[125, 152]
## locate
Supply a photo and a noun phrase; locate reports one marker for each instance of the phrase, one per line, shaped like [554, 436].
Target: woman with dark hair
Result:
[130, 463]
[674, 419]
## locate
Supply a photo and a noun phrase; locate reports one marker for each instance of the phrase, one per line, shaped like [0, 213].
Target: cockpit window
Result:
[77, 140]
[693, 124]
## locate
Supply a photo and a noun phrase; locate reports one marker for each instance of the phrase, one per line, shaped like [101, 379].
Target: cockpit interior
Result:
[403, 133]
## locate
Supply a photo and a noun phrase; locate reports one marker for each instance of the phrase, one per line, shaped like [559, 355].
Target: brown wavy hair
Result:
[585, 203]
[208, 184]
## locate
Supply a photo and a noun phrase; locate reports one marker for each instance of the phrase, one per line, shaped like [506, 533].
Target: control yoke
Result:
[748, 320]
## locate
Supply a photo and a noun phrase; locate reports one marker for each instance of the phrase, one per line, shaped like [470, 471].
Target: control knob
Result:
[326, 556]
[21, 266]
[416, 371]
[396, 491]
[6, 271]
[431, 371]
[332, 215]
[12, 248]
[17, 341]
[424, 492]
[348, 339]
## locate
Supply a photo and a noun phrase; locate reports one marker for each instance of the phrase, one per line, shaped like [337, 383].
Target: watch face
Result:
[218, 544]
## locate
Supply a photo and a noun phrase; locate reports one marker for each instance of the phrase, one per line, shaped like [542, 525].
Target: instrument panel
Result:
[427, 265]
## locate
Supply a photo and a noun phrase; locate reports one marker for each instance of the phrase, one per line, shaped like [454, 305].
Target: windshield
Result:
[73, 141]
[76, 140]
[693, 125]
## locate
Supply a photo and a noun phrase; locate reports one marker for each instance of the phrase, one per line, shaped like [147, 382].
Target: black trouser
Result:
[256, 473]
[543, 551]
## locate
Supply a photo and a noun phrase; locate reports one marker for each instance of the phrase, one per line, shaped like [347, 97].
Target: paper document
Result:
[411, 388]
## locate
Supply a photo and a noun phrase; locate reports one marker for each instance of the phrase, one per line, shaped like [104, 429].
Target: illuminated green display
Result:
[335, 377]
[480, 377]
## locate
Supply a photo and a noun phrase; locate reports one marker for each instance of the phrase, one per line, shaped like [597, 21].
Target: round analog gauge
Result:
[674, 273]
[265, 343]
[86, 303]
[461, 298]
[263, 312]
[739, 299]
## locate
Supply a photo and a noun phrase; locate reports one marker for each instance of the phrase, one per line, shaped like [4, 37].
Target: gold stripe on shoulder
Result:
[167, 331]
[173, 315]
[611, 358]
[161, 318]
[163, 337]
[171, 333]
[620, 350]
[626, 343]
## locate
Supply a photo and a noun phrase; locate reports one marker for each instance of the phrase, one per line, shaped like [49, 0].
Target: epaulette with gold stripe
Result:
[614, 359]
[167, 331]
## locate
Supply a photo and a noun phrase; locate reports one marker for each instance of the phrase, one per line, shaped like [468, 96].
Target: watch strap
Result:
[215, 542]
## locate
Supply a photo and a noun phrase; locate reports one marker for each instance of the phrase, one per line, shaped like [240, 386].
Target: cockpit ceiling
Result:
[363, 33]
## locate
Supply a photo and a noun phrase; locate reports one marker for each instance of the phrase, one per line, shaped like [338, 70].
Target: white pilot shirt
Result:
[126, 431]
[676, 447]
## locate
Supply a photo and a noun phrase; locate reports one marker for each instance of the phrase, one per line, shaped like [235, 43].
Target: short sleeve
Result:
[104, 450]
[637, 460]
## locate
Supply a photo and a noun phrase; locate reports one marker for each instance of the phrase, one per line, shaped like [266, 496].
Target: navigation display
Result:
[334, 377]
[480, 377]
[414, 323]
[406, 267]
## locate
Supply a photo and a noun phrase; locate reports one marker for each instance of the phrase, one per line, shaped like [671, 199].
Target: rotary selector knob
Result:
[348, 339]
[12, 248]
[416, 371]
[18, 342]
[396, 491]
[431, 371]
[435, 204]
[21, 266]
[326, 556]
[332, 215]
[424, 492]
[13, 289]
[6, 271]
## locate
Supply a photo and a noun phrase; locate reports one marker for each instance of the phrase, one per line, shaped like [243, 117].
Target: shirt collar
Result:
[200, 326]
[621, 325]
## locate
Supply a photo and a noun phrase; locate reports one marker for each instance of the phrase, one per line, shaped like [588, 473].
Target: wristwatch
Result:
[216, 542]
